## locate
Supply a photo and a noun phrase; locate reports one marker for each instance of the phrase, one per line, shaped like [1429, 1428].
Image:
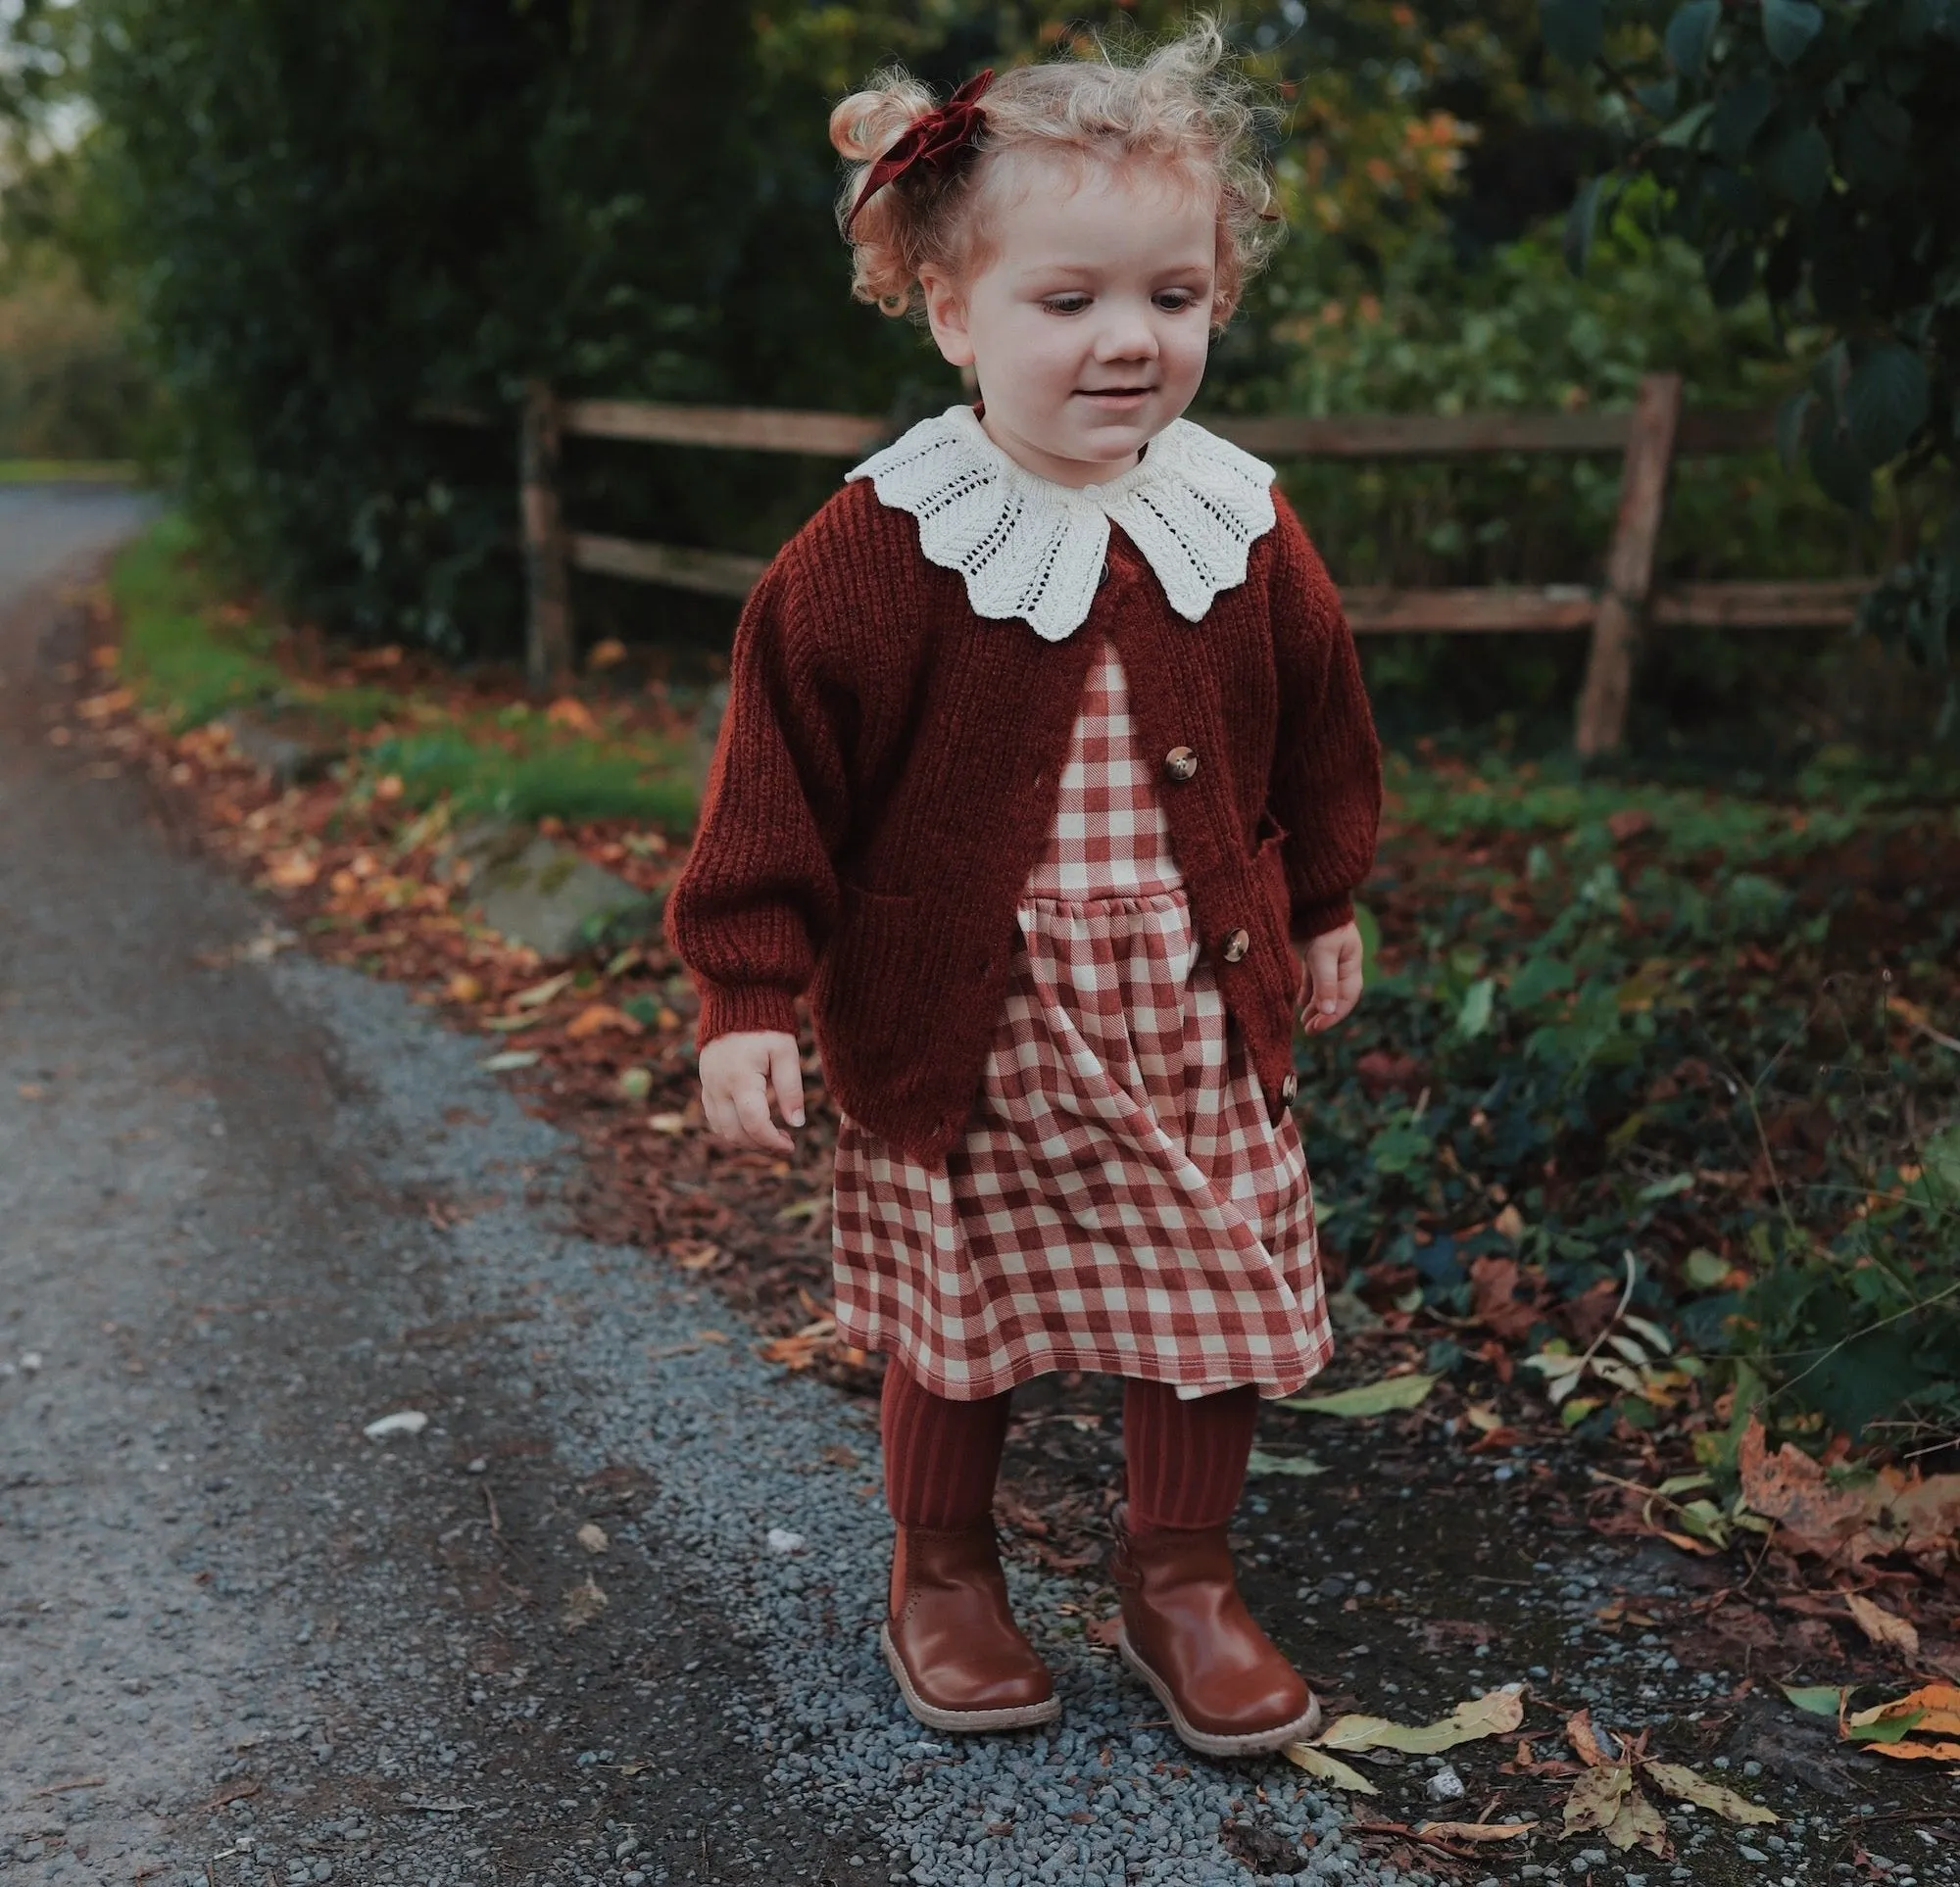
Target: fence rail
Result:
[1647, 438]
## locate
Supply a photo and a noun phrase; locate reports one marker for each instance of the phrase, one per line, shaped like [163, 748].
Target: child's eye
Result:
[1065, 303]
[1174, 300]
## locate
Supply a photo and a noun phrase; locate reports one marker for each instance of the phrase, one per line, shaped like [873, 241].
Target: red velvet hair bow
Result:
[939, 140]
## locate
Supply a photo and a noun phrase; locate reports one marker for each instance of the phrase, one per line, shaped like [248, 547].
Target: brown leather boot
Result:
[1188, 1635]
[961, 1660]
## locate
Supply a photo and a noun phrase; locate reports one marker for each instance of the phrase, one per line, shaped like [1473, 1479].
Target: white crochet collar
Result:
[1193, 504]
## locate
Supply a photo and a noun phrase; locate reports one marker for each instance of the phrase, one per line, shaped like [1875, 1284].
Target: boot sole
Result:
[1012, 1717]
[1208, 1742]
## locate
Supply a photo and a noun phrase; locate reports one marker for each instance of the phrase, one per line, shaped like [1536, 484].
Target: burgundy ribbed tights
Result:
[1186, 1458]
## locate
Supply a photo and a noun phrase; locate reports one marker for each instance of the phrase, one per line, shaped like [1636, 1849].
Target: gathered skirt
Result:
[1122, 1200]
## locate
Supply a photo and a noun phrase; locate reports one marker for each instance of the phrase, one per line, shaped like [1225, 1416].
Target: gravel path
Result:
[607, 1614]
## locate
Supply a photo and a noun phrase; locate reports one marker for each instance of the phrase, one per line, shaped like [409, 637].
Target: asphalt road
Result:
[212, 1584]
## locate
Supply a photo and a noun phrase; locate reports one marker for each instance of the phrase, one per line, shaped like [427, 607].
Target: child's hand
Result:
[1333, 978]
[737, 1073]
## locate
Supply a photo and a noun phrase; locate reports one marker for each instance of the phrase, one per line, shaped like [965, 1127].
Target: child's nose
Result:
[1127, 336]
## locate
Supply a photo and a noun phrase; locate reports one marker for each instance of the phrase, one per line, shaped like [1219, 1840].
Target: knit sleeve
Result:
[1326, 785]
[759, 893]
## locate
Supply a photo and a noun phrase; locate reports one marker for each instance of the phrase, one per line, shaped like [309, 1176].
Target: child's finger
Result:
[786, 1077]
[752, 1116]
[1323, 982]
[1351, 969]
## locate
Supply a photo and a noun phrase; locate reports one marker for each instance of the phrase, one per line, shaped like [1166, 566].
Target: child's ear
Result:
[945, 315]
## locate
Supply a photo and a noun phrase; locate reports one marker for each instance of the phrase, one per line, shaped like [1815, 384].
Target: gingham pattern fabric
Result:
[1121, 1200]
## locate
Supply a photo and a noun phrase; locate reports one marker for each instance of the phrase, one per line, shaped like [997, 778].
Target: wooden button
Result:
[1180, 763]
[1235, 947]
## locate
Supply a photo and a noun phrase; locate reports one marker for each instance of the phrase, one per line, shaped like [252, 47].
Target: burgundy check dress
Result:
[1121, 1200]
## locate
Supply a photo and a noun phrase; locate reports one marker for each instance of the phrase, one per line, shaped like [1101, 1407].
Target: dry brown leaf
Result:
[291, 871]
[1494, 1294]
[1885, 1629]
[595, 1016]
[465, 988]
[572, 715]
[1474, 1830]
[1792, 1489]
[582, 1604]
[1584, 1740]
[1930, 1514]
[1684, 1785]
[592, 1537]
[1908, 1750]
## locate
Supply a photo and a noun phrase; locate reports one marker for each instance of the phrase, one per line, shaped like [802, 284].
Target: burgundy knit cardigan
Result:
[888, 773]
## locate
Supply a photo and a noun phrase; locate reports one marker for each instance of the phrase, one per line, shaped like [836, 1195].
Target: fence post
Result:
[1630, 565]
[547, 650]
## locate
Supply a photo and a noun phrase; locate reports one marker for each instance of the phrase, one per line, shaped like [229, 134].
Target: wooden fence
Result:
[1618, 612]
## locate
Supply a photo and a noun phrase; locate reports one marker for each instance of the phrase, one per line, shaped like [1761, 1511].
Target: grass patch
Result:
[195, 657]
[572, 781]
[70, 471]
[174, 654]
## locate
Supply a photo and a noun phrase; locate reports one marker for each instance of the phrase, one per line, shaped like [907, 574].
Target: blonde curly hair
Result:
[1180, 104]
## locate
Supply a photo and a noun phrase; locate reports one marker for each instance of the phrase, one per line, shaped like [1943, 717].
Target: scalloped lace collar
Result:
[1194, 506]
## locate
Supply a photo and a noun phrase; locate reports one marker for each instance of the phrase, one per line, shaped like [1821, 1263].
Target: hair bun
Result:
[867, 124]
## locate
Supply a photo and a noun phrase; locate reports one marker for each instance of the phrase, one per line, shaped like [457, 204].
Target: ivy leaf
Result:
[1691, 34]
[1739, 114]
[1473, 1019]
[1789, 27]
[1574, 30]
[1842, 473]
[1798, 166]
[1887, 401]
[1685, 129]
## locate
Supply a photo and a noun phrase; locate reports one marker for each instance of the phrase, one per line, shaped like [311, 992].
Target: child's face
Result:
[1088, 318]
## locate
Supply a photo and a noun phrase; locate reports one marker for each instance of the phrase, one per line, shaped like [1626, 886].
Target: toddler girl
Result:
[1046, 744]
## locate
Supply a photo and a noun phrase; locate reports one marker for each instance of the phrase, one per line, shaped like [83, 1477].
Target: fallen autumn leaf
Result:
[1318, 1763]
[1392, 1392]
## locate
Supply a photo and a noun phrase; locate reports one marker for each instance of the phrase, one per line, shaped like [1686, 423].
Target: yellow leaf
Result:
[1596, 1798]
[1936, 1705]
[1606, 1801]
[539, 993]
[1369, 1400]
[465, 988]
[1495, 1714]
[1684, 1785]
[1318, 1763]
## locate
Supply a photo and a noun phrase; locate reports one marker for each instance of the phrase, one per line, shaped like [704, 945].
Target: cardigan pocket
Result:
[873, 992]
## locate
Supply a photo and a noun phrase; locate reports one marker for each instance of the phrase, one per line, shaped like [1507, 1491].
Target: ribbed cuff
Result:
[738, 1008]
[1316, 920]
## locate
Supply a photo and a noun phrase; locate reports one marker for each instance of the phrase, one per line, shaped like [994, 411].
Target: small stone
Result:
[1752, 1853]
[1752, 1770]
[1446, 1785]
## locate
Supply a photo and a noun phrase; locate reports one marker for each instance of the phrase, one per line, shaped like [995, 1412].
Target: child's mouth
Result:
[1116, 396]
